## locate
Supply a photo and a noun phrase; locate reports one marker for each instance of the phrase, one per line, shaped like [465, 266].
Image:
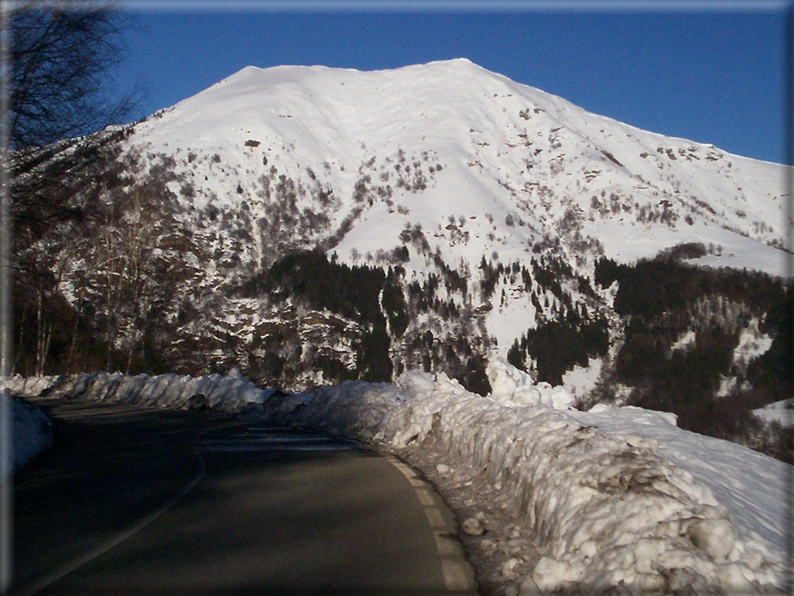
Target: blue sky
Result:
[712, 72]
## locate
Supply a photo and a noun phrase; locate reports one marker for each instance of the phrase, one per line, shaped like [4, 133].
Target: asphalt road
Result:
[137, 500]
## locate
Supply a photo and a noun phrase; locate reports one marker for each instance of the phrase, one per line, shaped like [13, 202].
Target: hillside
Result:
[309, 225]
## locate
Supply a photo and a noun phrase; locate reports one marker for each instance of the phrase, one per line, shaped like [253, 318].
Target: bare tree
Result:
[63, 57]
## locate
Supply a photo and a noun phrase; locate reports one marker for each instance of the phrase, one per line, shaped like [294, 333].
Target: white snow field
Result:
[501, 147]
[614, 497]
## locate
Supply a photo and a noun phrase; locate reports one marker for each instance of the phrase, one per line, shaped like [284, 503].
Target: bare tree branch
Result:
[63, 59]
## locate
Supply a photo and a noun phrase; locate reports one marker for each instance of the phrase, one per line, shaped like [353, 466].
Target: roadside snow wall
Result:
[227, 393]
[32, 429]
[607, 511]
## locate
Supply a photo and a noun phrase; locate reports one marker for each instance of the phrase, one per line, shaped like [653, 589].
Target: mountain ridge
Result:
[334, 145]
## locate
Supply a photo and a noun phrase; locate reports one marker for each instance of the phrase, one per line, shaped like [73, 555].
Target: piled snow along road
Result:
[607, 511]
[229, 393]
[32, 429]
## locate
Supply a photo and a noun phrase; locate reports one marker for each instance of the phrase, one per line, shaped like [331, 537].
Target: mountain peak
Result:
[437, 74]
[461, 63]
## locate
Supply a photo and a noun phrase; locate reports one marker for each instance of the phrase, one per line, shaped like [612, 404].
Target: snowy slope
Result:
[505, 149]
[483, 165]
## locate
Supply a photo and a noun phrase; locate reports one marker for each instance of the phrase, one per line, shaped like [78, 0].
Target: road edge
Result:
[456, 569]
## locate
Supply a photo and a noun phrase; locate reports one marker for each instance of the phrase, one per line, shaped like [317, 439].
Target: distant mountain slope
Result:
[504, 149]
[449, 214]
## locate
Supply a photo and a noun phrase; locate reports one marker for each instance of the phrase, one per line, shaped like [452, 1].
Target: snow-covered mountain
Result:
[452, 213]
[536, 165]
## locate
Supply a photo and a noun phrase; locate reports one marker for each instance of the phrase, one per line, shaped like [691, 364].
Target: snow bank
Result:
[33, 430]
[731, 471]
[607, 510]
[28, 386]
[228, 393]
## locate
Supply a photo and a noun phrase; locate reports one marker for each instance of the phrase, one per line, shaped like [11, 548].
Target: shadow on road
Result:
[275, 511]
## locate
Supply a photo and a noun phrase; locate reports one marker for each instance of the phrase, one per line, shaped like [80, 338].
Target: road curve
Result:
[135, 500]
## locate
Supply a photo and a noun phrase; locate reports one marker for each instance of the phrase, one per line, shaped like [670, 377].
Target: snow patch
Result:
[752, 343]
[684, 342]
[781, 412]
[580, 380]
